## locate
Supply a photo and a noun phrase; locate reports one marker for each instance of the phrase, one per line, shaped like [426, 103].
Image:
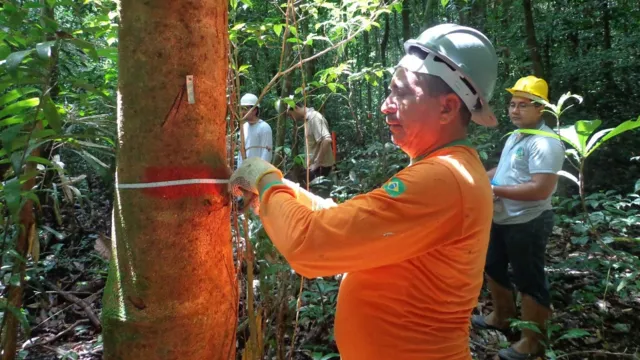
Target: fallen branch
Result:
[599, 352]
[57, 336]
[87, 309]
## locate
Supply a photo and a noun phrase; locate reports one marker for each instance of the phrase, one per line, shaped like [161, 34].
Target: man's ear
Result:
[449, 108]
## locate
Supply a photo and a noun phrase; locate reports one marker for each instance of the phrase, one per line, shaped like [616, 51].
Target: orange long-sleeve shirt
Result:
[414, 251]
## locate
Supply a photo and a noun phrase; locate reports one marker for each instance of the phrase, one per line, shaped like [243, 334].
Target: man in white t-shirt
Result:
[321, 160]
[258, 140]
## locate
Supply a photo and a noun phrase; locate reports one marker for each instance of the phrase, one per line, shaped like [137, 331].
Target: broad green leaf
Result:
[277, 29]
[444, 3]
[12, 195]
[18, 119]
[238, 26]
[9, 135]
[109, 53]
[584, 129]
[624, 127]
[16, 161]
[574, 334]
[51, 3]
[19, 106]
[39, 160]
[293, 30]
[14, 59]
[5, 50]
[15, 94]
[85, 46]
[51, 114]
[44, 49]
[594, 139]
[571, 142]
[569, 176]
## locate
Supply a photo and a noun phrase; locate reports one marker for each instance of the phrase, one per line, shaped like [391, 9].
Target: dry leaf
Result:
[101, 247]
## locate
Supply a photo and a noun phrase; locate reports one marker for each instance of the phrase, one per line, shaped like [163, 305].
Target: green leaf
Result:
[15, 94]
[277, 29]
[39, 160]
[625, 328]
[624, 127]
[16, 161]
[4, 305]
[19, 106]
[574, 334]
[636, 188]
[14, 59]
[584, 129]
[12, 195]
[85, 46]
[9, 135]
[238, 26]
[293, 30]
[58, 235]
[109, 53]
[44, 49]
[562, 136]
[444, 3]
[51, 114]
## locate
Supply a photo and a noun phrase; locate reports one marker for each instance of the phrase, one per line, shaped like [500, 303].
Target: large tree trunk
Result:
[532, 43]
[171, 291]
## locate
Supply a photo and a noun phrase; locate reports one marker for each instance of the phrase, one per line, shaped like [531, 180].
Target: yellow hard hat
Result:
[531, 87]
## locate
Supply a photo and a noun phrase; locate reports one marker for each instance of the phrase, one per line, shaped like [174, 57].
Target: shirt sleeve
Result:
[414, 212]
[546, 155]
[319, 128]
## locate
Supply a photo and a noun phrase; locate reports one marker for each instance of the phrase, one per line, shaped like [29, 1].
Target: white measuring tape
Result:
[317, 202]
[171, 183]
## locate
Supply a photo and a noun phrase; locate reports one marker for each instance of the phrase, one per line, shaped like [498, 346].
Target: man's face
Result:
[412, 115]
[297, 113]
[252, 117]
[524, 113]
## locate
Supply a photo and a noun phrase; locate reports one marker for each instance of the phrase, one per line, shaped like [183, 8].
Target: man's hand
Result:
[246, 179]
[314, 166]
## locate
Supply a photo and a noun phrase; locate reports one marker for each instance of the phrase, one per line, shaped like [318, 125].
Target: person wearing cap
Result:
[258, 140]
[523, 182]
[414, 249]
[321, 159]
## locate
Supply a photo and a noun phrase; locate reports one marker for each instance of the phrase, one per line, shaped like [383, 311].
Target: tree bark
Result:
[406, 20]
[171, 291]
[532, 43]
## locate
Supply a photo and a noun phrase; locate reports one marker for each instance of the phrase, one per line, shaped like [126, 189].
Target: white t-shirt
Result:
[258, 141]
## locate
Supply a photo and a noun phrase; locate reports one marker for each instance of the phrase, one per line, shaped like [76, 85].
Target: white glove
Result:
[244, 181]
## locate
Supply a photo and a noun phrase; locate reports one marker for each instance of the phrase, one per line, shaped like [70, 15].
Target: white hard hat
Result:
[249, 100]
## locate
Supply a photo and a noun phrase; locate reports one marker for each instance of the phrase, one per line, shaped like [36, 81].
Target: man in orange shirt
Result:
[414, 250]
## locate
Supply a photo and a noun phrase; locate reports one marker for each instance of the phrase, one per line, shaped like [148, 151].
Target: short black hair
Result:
[435, 86]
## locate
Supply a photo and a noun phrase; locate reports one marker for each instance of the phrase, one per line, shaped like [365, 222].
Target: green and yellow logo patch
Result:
[519, 153]
[394, 187]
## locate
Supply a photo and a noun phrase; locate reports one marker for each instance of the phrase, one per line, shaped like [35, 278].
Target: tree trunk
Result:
[430, 9]
[406, 20]
[171, 291]
[532, 43]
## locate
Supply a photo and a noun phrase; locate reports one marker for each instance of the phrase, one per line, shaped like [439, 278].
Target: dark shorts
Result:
[320, 171]
[523, 246]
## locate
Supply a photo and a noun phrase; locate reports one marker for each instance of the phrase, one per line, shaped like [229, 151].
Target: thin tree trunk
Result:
[383, 59]
[171, 291]
[532, 43]
[406, 20]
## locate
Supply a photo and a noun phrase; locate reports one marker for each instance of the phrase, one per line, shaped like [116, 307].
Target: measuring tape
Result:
[171, 183]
